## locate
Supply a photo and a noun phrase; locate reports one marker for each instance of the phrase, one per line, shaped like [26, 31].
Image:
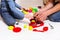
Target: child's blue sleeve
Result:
[0, 11]
[17, 5]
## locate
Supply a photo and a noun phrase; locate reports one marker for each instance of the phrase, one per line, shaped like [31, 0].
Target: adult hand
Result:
[42, 17]
[39, 12]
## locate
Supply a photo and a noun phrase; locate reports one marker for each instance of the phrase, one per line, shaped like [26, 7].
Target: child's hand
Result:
[29, 16]
[21, 8]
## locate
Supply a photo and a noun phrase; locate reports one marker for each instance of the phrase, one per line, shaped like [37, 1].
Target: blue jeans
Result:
[55, 17]
[10, 16]
[8, 19]
[16, 13]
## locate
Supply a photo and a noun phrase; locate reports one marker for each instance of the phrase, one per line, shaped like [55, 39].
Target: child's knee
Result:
[22, 16]
[10, 23]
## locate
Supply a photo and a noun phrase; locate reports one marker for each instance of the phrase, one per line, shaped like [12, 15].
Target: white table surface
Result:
[25, 34]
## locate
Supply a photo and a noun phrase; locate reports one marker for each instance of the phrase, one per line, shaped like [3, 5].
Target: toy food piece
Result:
[36, 23]
[30, 11]
[17, 29]
[38, 30]
[33, 21]
[35, 9]
[25, 12]
[10, 27]
[40, 22]
[33, 24]
[25, 26]
[45, 29]
[30, 28]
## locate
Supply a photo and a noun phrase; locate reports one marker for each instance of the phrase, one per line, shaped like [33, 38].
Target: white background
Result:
[30, 3]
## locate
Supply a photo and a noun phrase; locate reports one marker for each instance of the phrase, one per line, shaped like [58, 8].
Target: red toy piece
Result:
[33, 24]
[38, 30]
[40, 22]
[45, 29]
[29, 11]
[36, 23]
[17, 29]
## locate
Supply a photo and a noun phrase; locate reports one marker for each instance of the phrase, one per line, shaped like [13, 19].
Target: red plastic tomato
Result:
[17, 29]
[45, 29]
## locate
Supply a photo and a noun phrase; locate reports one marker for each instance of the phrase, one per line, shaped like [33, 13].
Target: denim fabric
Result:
[8, 19]
[7, 14]
[55, 17]
[17, 5]
[16, 13]
[0, 11]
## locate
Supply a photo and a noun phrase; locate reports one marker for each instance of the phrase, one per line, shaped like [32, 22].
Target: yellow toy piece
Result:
[25, 25]
[30, 28]
[10, 27]
[33, 21]
[25, 12]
